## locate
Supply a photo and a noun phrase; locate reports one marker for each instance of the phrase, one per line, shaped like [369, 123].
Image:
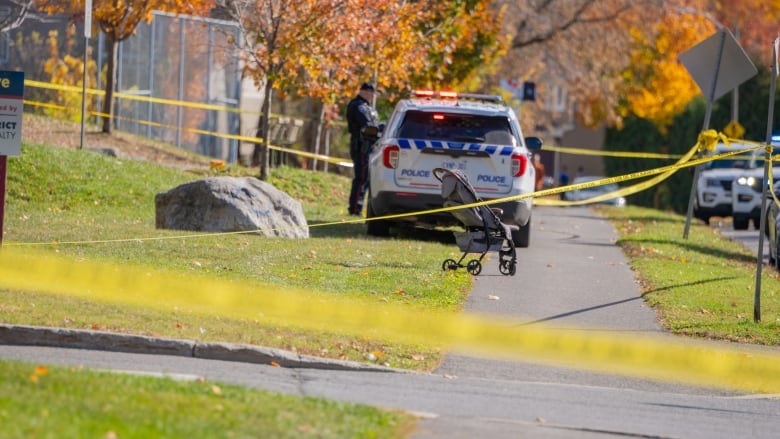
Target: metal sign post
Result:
[765, 188]
[732, 68]
[87, 35]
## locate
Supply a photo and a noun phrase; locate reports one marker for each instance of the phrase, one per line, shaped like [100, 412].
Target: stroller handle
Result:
[439, 173]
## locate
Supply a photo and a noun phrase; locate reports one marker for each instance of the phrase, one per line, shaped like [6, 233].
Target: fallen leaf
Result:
[216, 390]
[275, 364]
[41, 370]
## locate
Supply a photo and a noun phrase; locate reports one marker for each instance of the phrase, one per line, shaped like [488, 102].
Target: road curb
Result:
[137, 344]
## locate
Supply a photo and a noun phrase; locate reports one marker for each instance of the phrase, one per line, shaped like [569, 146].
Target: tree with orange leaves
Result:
[657, 86]
[279, 36]
[463, 36]
[595, 46]
[118, 21]
[324, 48]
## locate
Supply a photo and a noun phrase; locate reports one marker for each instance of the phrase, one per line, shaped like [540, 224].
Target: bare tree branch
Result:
[14, 12]
[577, 16]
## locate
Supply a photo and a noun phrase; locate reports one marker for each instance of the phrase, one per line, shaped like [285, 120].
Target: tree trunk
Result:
[265, 122]
[318, 136]
[108, 99]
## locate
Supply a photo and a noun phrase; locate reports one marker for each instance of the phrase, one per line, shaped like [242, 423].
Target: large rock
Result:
[231, 204]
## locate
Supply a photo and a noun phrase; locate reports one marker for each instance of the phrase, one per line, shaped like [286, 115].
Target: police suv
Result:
[474, 133]
[747, 191]
[715, 182]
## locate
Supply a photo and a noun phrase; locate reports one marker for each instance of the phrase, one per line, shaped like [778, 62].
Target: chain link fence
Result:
[186, 59]
[171, 58]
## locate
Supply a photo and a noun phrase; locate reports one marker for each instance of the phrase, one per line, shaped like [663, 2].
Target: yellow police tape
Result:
[704, 144]
[661, 358]
[628, 154]
[197, 105]
[334, 160]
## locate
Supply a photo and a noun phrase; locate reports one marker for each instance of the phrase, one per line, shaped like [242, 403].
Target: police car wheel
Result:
[375, 227]
[522, 236]
[740, 223]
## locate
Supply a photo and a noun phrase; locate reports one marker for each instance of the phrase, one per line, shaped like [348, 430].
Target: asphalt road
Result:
[572, 274]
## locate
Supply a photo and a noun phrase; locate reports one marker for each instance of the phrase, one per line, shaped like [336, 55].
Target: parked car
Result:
[746, 197]
[773, 231]
[595, 191]
[747, 191]
[714, 185]
[477, 134]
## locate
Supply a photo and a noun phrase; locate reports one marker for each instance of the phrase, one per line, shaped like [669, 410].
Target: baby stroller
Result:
[484, 230]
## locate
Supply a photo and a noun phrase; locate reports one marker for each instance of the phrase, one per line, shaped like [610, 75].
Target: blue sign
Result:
[11, 109]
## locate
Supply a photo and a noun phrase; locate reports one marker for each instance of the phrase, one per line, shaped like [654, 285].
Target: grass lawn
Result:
[91, 207]
[107, 206]
[40, 401]
[703, 286]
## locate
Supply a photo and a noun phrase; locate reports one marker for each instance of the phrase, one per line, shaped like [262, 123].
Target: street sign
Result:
[88, 19]
[11, 108]
[718, 64]
[524, 92]
[734, 130]
[529, 91]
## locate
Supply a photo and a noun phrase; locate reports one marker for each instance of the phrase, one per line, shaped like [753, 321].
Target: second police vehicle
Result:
[715, 183]
[747, 190]
[474, 133]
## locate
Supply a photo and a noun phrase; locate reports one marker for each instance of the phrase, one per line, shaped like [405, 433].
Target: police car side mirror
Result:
[533, 143]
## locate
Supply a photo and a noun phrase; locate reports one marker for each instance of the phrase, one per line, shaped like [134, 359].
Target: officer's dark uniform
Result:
[359, 115]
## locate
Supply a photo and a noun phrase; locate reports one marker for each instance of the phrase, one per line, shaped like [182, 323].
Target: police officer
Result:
[360, 115]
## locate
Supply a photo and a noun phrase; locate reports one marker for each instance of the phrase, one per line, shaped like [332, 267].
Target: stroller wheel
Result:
[474, 267]
[505, 267]
[449, 264]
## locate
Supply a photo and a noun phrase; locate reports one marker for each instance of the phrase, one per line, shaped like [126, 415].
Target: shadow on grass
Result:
[323, 229]
[621, 302]
[688, 284]
[714, 252]
[326, 229]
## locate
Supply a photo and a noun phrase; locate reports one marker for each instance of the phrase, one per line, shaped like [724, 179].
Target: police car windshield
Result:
[427, 125]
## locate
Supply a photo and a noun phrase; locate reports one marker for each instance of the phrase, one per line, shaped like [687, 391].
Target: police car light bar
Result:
[456, 95]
